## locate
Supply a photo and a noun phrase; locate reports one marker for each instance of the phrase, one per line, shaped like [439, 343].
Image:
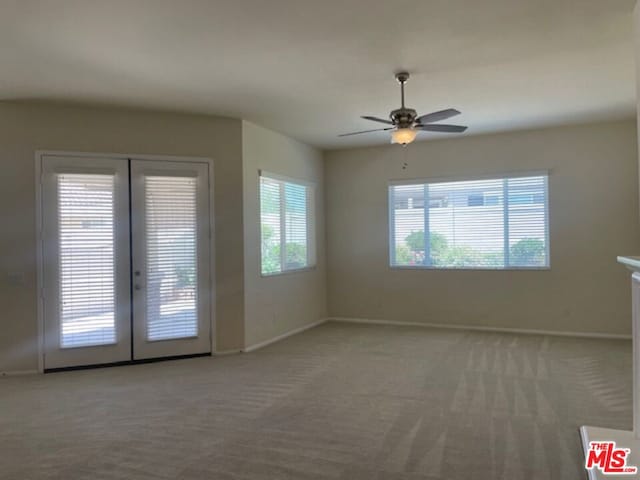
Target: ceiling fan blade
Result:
[439, 127]
[376, 119]
[437, 116]
[365, 131]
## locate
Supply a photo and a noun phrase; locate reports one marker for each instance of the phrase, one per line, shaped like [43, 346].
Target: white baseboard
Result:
[15, 373]
[257, 346]
[222, 353]
[525, 331]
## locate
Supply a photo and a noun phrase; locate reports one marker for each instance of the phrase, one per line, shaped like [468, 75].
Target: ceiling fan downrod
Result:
[403, 117]
[402, 78]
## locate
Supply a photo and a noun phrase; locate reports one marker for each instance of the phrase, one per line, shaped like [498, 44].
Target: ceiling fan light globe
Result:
[403, 136]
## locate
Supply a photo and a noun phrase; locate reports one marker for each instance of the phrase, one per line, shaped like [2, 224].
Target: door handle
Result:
[137, 286]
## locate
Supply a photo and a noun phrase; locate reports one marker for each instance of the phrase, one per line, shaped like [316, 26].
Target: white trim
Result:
[524, 331]
[213, 336]
[15, 373]
[465, 269]
[39, 263]
[287, 272]
[222, 353]
[391, 231]
[584, 436]
[547, 225]
[124, 156]
[39, 154]
[257, 346]
[283, 178]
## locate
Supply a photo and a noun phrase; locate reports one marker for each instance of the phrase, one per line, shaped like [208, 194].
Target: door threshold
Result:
[126, 362]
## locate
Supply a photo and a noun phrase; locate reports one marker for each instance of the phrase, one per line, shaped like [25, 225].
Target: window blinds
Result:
[86, 259]
[171, 268]
[285, 225]
[490, 223]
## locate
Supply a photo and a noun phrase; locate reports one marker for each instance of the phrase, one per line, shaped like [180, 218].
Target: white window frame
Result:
[311, 223]
[431, 180]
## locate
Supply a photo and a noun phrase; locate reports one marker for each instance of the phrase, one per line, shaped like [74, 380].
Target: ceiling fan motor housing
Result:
[403, 117]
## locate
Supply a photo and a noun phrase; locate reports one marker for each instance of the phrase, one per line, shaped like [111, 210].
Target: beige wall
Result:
[26, 128]
[636, 37]
[593, 187]
[277, 304]
[594, 212]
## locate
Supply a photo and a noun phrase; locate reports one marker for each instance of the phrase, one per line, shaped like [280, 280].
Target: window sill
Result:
[288, 272]
[468, 269]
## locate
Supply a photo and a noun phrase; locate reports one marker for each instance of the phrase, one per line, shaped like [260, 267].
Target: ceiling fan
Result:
[405, 122]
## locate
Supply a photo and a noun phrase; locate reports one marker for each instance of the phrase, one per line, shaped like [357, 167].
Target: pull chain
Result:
[405, 162]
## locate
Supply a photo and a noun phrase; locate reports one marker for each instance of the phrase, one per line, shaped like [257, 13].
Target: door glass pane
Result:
[86, 243]
[171, 275]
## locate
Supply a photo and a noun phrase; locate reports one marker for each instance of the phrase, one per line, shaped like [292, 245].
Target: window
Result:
[498, 223]
[287, 224]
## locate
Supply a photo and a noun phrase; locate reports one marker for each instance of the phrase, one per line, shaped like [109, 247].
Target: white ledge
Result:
[632, 263]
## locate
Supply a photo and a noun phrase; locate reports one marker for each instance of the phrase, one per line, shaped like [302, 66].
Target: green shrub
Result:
[403, 255]
[438, 245]
[296, 255]
[528, 252]
[460, 257]
[270, 250]
[415, 241]
[185, 277]
[493, 260]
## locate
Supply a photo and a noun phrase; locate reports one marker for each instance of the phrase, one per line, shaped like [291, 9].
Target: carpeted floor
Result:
[352, 402]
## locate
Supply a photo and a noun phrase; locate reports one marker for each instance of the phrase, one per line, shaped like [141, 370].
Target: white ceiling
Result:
[311, 68]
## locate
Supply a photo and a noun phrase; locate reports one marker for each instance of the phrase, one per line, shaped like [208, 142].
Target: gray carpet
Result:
[336, 402]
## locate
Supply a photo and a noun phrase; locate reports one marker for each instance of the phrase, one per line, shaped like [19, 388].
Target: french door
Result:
[125, 260]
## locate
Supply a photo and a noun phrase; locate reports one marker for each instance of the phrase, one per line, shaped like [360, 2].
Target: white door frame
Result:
[40, 154]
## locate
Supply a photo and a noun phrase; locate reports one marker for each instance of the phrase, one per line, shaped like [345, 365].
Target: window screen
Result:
[488, 224]
[286, 223]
